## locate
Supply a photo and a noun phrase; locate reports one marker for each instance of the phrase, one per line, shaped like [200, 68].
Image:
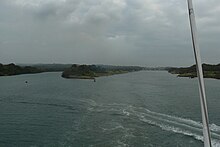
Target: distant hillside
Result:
[210, 71]
[12, 69]
[49, 67]
[92, 71]
[157, 68]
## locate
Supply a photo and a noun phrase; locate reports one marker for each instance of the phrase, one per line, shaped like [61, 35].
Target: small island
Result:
[209, 71]
[92, 71]
[12, 69]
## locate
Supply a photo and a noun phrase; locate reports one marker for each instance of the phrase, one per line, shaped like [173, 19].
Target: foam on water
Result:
[214, 127]
[176, 124]
[112, 129]
[215, 142]
[166, 122]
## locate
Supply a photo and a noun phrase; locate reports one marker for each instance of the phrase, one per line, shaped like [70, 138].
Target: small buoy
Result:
[26, 81]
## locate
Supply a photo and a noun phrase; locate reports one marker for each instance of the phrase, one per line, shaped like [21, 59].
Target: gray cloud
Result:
[127, 32]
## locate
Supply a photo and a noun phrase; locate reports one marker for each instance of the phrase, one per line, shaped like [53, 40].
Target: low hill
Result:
[92, 71]
[210, 71]
[12, 69]
[49, 67]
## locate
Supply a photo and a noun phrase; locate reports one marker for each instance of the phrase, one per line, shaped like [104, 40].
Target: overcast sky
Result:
[119, 32]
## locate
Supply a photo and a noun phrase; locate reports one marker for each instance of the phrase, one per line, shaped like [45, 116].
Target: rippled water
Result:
[135, 109]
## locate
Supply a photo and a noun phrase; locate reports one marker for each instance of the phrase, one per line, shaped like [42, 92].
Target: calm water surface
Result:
[140, 109]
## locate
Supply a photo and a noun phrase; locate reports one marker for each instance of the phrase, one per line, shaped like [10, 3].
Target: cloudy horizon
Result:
[116, 32]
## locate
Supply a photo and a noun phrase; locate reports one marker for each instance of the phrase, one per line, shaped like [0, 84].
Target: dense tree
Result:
[91, 71]
[12, 69]
[210, 71]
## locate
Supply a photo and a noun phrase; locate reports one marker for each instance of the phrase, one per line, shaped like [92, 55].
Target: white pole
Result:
[205, 120]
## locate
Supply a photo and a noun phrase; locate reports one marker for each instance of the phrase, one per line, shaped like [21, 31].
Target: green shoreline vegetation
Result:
[92, 71]
[209, 71]
[77, 71]
[12, 69]
[69, 71]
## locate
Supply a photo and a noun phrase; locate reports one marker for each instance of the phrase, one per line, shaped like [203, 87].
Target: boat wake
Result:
[176, 124]
[166, 122]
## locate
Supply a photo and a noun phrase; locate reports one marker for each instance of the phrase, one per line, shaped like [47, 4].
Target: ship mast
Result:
[204, 111]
